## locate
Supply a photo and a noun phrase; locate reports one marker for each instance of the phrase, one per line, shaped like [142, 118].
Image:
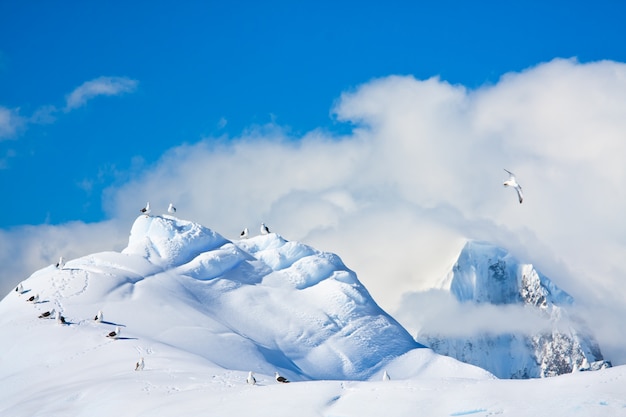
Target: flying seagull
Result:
[512, 182]
[251, 379]
[146, 210]
[264, 229]
[114, 334]
[243, 234]
[281, 378]
[171, 209]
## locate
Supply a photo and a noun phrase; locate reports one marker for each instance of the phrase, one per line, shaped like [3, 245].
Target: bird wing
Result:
[519, 193]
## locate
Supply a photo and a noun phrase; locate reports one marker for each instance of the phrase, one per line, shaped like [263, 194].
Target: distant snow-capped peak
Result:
[487, 274]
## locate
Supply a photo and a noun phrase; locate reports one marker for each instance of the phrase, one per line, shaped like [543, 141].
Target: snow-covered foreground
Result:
[204, 311]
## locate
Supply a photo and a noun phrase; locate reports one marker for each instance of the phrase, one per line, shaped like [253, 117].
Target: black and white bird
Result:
[33, 298]
[139, 365]
[512, 182]
[243, 234]
[386, 376]
[46, 314]
[19, 289]
[146, 210]
[99, 316]
[251, 380]
[115, 333]
[171, 209]
[60, 318]
[61, 263]
[264, 229]
[280, 379]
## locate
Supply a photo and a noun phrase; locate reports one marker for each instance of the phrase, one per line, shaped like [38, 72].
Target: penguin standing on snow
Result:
[61, 263]
[264, 229]
[33, 298]
[171, 209]
[243, 234]
[139, 365]
[98, 317]
[19, 289]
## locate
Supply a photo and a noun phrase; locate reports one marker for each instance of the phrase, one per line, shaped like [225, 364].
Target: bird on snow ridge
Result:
[243, 234]
[171, 209]
[281, 379]
[60, 318]
[146, 210]
[264, 229]
[251, 379]
[115, 333]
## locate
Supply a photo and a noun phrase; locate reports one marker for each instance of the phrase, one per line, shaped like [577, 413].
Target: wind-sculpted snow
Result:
[168, 241]
[203, 312]
[260, 304]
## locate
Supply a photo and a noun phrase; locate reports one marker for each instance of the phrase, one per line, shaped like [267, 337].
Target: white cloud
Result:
[102, 86]
[421, 172]
[10, 122]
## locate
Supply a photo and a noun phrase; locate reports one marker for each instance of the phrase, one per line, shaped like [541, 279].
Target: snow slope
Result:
[486, 274]
[203, 311]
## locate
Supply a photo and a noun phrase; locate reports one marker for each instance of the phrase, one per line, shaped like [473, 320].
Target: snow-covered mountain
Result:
[203, 312]
[281, 305]
[485, 273]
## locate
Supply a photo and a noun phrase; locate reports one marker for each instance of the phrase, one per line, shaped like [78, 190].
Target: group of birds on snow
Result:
[147, 210]
[171, 210]
[115, 334]
[35, 299]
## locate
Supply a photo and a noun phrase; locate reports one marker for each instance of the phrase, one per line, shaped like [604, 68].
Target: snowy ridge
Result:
[488, 274]
[203, 312]
[282, 305]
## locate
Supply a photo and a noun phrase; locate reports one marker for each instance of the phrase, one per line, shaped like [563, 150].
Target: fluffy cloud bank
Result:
[420, 172]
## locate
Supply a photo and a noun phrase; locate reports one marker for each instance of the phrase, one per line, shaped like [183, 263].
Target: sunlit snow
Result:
[204, 311]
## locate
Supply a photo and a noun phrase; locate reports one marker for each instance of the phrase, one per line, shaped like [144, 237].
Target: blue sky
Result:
[378, 132]
[213, 69]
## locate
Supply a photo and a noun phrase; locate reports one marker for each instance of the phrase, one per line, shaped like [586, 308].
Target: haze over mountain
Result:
[485, 274]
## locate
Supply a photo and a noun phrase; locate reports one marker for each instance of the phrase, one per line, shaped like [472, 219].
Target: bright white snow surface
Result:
[204, 311]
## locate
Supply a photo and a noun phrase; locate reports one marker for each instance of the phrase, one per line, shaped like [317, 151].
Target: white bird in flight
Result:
[512, 182]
